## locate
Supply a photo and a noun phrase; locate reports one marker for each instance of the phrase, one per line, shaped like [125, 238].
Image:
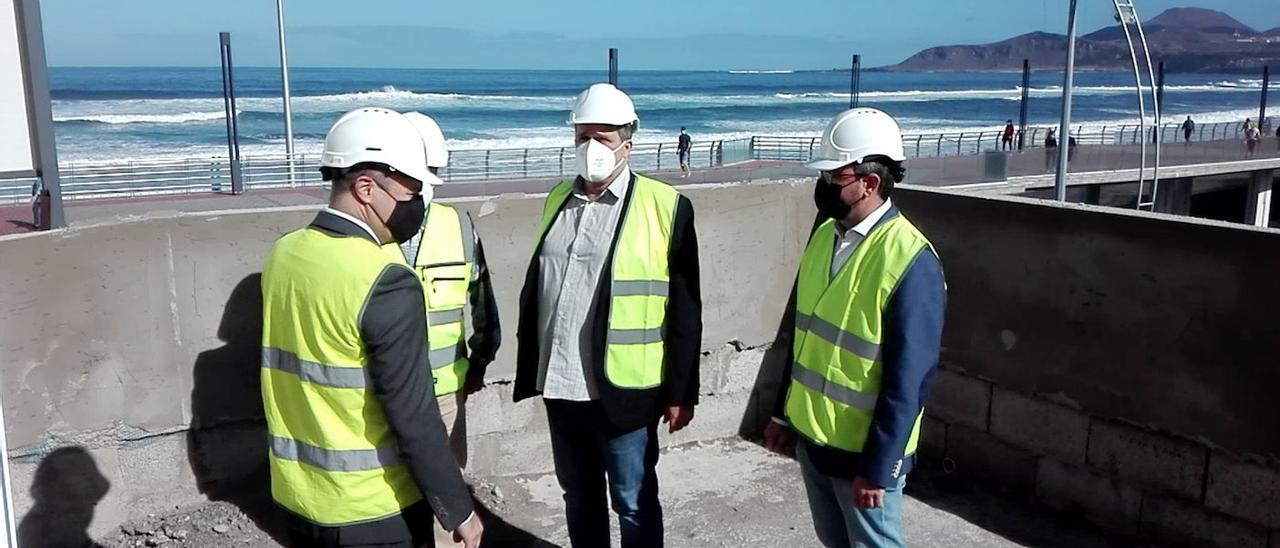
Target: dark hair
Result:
[891, 173]
[682, 128]
[340, 178]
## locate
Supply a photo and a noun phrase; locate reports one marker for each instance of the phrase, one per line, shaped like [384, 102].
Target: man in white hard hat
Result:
[358, 453]
[611, 326]
[870, 299]
[447, 254]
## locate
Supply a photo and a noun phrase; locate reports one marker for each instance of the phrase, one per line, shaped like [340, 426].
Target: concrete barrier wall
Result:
[130, 366]
[1166, 322]
[1113, 366]
[131, 348]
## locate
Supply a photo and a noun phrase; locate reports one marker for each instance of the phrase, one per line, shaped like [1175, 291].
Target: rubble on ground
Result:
[211, 524]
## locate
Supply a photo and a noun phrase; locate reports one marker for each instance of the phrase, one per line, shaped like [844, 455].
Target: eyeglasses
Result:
[839, 177]
[384, 182]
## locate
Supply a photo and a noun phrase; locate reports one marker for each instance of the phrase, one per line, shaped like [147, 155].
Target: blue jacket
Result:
[909, 352]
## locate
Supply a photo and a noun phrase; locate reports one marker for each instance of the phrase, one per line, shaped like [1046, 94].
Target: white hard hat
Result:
[603, 104]
[432, 141]
[855, 135]
[376, 135]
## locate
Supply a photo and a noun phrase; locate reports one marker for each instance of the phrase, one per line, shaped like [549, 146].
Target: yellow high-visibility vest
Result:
[634, 350]
[333, 457]
[444, 263]
[835, 378]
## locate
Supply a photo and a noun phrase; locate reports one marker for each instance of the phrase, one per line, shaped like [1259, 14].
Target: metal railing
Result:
[532, 163]
[933, 145]
[83, 180]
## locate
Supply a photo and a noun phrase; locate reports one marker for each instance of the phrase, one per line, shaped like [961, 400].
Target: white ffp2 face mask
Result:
[596, 161]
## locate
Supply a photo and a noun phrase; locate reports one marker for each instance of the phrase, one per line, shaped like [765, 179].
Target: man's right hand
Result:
[469, 532]
[776, 437]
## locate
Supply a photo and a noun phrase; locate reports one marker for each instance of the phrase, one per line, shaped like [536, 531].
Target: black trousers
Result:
[411, 529]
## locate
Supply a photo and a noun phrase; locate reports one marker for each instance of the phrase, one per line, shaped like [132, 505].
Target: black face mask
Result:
[406, 219]
[826, 195]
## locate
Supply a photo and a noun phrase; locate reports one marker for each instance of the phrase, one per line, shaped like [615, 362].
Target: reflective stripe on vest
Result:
[444, 317]
[834, 335]
[635, 348]
[807, 378]
[836, 372]
[348, 460]
[333, 457]
[313, 372]
[446, 255]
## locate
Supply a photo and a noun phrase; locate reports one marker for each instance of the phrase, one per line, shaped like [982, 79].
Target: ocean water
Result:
[140, 113]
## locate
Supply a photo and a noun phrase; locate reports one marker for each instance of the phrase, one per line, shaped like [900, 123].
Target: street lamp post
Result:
[1064, 135]
[284, 83]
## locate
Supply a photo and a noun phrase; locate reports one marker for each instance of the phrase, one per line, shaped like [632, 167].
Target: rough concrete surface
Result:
[960, 399]
[1024, 420]
[1077, 491]
[722, 493]
[1175, 521]
[1244, 489]
[1159, 462]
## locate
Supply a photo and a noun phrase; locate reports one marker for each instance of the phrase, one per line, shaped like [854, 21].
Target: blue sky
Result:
[559, 34]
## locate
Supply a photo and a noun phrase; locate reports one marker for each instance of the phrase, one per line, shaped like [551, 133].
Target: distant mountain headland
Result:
[1186, 39]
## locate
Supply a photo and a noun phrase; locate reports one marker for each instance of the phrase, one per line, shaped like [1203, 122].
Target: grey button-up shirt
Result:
[573, 258]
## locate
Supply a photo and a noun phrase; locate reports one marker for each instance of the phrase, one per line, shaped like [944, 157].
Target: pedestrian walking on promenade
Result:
[683, 148]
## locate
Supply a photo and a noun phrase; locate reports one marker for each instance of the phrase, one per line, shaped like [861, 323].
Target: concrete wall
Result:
[131, 348]
[1075, 338]
[1116, 366]
[1166, 322]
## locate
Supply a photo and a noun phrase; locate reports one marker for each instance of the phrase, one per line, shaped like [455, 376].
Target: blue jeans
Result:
[587, 450]
[838, 522]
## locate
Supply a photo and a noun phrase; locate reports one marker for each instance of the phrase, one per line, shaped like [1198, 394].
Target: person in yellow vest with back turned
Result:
[870, 300]
[449, 259]
[358, 453]
[611, 326]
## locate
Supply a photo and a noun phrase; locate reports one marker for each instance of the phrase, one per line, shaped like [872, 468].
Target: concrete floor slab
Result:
[733, 493]
[724, 493]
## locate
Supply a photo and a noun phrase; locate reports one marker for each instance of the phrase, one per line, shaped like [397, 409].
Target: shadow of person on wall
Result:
[770, 384]
[66, 489]
[227, 442]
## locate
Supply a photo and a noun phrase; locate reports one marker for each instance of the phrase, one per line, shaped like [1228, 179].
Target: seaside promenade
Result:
[1023, 171]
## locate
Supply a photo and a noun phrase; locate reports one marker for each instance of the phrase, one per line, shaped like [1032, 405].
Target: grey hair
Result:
[891, 173]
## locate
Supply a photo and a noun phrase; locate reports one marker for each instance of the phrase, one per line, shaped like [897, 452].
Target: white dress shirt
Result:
[847, 242]
[358, 222]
